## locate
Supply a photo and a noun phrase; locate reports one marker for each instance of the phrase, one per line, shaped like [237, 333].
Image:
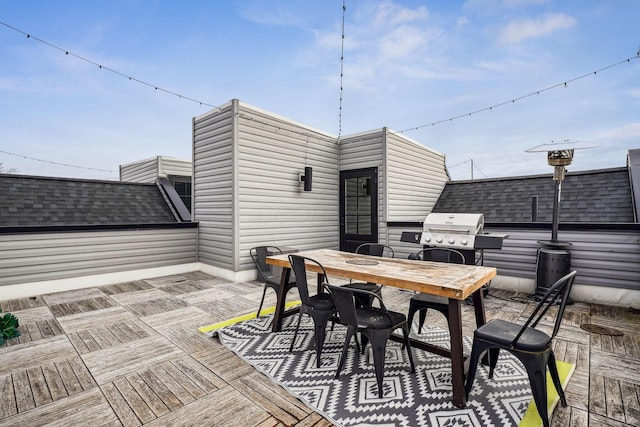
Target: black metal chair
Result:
[531, 346]
[374, 324]
[421, 302]
[319, 307]
[373, 249]
[268, 273]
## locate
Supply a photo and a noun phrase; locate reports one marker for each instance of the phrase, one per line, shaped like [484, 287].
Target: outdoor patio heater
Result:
[553, 258]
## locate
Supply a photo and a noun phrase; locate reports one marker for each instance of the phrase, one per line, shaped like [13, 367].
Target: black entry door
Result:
[358, 208]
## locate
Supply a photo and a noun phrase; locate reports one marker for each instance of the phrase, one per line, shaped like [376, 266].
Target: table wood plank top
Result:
[456, 281]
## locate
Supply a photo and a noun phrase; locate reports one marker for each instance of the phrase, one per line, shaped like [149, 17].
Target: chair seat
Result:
[363, 286]
[427, 299]
[321, 302]
[274, 281]
[376, 318]
[502, 332]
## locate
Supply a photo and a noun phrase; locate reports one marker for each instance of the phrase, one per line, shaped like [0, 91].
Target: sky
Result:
[480, 81]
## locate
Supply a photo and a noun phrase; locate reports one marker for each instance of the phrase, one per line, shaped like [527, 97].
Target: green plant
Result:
[8, 327]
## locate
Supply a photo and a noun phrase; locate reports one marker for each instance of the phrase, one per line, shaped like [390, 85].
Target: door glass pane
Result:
[357, 205]
[351, 224]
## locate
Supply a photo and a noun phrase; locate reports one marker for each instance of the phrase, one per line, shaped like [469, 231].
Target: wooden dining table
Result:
[453, 281]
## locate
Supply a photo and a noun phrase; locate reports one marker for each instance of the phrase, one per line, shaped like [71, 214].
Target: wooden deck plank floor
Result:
[130, 354]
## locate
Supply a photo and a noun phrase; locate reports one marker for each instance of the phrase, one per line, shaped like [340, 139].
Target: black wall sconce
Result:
[306, 178]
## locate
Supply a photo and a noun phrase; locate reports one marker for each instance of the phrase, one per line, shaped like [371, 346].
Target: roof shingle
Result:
[44, 201]
[600, 196]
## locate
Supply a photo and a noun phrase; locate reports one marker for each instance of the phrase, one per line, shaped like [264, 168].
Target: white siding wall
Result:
[416, 176]
[32, 257]
[367, 150]
[170, 166]
[145, 171]
[213, 158]
[149, 170]
[273, 208]
[602, 257]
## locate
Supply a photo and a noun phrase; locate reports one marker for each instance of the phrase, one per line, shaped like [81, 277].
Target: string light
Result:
[512, 101]
[306, 135]
[102, 67]
[57, 163]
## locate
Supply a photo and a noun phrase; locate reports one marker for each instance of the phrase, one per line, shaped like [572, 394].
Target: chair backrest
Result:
[345, 304]
[439, 255]
[558, 292]
[299, 267]
[375, 249]
[344, 300]
[259, 255]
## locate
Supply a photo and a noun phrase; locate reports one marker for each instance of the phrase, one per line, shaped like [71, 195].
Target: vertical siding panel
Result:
[416, 176]
[213, 180]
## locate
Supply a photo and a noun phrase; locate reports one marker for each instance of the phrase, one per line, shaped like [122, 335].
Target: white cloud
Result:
[520, 30]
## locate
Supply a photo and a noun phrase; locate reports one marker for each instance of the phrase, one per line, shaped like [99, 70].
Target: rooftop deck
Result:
[131, 354]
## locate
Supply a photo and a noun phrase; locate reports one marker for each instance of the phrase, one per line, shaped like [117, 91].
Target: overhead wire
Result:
[203, 103]
[519, 98]
[103, 67]
[344, 11]
[57, 163]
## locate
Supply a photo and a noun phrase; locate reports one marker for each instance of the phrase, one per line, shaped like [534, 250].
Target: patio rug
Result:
[419, 399]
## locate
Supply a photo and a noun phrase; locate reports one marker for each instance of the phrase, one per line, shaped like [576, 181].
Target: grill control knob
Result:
[464, 241]
[439, 240]
[451, 241]
[427, 239]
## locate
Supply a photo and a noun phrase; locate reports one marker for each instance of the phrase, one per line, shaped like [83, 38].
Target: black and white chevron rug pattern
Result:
[422, 398]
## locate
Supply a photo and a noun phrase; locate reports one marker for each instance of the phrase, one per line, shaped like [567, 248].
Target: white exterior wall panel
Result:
[367, 150]
[273, 209]
[145, 171]
[170, 166]
[416, 176]
[602, 257]
[213, 184]
[35, 257]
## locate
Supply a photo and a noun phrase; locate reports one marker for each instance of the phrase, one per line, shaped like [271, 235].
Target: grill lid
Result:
[457, 230]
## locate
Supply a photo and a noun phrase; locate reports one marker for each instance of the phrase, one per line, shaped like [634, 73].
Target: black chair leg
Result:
[295, 334]
[264, 292]
[494, 354]
[553, 370]
[538, 380]
[412, 312]
[422, 316]
[407, 344]
[476, 352]
[320, 321]
[347, 340]
[379, 345]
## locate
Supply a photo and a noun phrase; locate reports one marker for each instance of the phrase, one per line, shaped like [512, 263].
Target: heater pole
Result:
[556, 211]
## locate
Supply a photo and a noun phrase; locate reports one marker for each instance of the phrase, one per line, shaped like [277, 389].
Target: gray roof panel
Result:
[599, 196]
[45, 201]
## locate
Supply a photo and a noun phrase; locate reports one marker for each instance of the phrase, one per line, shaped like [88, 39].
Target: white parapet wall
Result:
[24, 290]
[628, 298]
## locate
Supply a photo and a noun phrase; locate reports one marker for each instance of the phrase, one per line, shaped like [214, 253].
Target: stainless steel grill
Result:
[452, 230]
[461, 231]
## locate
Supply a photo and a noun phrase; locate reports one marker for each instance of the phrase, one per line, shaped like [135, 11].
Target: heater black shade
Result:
[307, 177]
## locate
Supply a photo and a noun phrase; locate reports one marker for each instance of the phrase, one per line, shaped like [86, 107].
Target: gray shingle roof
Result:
[45, 201]
[599, 196]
